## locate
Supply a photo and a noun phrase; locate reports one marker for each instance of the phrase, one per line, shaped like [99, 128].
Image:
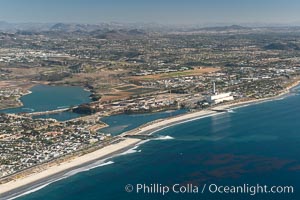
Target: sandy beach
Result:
[12, 187]
[148, 128]
[157, 125]
[99, 154]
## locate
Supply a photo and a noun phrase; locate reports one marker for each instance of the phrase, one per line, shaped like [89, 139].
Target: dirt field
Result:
[25, 71]
[125, 91]
[25, 85]
[115, 96]
[194, 72]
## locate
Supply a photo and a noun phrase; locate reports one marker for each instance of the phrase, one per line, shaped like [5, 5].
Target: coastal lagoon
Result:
[256, 144]
[44, 98]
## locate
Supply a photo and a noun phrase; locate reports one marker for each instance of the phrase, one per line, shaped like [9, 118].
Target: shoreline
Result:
[19, 187]
[28, 91]
[13, 188]
[160, 124]
[18, 101]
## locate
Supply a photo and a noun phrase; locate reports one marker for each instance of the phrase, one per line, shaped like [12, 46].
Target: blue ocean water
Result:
[44, 97]
[257, 144]
[122, 123]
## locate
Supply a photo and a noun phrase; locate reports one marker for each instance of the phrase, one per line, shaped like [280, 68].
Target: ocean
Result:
[255, 144]
[124, 122]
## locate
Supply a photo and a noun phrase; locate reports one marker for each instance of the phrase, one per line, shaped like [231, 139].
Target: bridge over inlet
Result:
[48, 112]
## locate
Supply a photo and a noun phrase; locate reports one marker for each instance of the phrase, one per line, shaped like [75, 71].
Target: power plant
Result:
[216, 98]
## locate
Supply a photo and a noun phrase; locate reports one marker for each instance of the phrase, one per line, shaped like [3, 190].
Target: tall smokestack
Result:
[214, 88]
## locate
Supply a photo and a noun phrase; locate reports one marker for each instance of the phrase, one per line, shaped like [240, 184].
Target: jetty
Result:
[220, 109]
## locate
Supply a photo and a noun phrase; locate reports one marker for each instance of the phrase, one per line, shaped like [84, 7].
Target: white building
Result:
[219, 98]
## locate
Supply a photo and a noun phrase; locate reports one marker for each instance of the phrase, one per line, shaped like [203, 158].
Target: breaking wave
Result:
[130, 151]
[35, 188]
[167, 137]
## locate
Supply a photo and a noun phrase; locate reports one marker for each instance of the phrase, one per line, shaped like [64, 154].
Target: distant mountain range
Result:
[107, 30]
[72, 27]
[13, 27]
[101, 31]
[226, 28]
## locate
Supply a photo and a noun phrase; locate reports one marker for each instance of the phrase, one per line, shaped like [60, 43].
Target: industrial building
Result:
[219, 98]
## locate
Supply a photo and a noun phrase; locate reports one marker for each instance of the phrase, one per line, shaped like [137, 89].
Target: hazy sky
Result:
[159, 11]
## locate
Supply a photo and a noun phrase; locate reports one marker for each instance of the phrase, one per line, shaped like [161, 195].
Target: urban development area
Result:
[130, 69]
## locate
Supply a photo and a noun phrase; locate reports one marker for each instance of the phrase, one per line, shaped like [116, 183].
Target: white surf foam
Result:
[28, 192]
[34, 189]
[130, 151]
[97, 164]
[185, 121]
[103, 163]
[167, 137]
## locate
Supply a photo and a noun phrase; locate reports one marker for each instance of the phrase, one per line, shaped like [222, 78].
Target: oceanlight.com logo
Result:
[247, 189]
